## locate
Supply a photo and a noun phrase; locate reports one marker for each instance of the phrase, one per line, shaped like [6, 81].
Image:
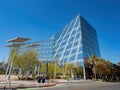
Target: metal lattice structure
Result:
[14, 47]
[78, 40]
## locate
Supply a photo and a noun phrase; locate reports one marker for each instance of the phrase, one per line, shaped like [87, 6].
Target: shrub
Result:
[25, 78]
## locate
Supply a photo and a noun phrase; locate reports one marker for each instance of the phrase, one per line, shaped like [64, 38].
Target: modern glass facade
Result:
[78, 40]
[75, 43]
[46, 50]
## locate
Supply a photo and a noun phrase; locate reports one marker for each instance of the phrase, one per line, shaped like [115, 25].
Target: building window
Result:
[78, 35]
[69, 46]
[71, 39]
[72, 58]
[73, 32]
[73, 51]
[76, 43]
[66, 37]
[80, 56]
[66, 53]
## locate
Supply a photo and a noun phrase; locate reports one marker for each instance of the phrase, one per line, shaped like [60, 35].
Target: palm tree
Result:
[102, 67]
[93, 60]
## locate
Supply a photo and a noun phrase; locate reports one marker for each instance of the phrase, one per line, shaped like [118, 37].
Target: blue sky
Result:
[40, 19]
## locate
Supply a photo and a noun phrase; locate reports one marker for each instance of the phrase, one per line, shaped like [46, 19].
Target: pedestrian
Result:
[39, 80]
[43, 79]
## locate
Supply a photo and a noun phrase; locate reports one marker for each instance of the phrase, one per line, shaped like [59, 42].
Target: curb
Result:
[37, 85]
[51, 84]
[30, 86]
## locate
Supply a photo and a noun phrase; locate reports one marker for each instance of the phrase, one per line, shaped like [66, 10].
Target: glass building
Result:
[46, 50]
[77, 41]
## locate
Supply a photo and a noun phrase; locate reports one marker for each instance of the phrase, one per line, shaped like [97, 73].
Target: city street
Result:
[81, 86]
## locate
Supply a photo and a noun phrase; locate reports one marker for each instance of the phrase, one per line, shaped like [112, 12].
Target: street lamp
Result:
[16, 43]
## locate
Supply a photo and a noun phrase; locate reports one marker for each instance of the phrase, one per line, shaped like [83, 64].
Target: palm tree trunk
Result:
[95, 73]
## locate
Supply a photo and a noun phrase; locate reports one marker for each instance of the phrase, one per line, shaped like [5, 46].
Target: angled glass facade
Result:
[78, 40]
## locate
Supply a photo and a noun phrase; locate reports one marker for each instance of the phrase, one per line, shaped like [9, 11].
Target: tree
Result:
[27, 60]
[72, 69]
[93, 60]
[118, 63]
[51, 67]
[69, 67]
[78, 71]
[101, 67]
[104, 69]
[13, 55]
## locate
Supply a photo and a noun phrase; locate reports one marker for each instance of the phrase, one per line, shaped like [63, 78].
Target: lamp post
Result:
[16, 43]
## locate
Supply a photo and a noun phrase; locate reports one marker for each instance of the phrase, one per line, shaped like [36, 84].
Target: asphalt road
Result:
[81, 86]
[104, 87]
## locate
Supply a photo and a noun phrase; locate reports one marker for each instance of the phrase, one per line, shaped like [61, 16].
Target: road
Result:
[81, 86]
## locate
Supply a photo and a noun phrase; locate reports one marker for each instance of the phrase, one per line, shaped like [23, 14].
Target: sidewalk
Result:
[32, 84]
[25, 84]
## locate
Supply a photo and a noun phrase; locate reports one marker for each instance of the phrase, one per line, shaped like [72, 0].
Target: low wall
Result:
[12, 77]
